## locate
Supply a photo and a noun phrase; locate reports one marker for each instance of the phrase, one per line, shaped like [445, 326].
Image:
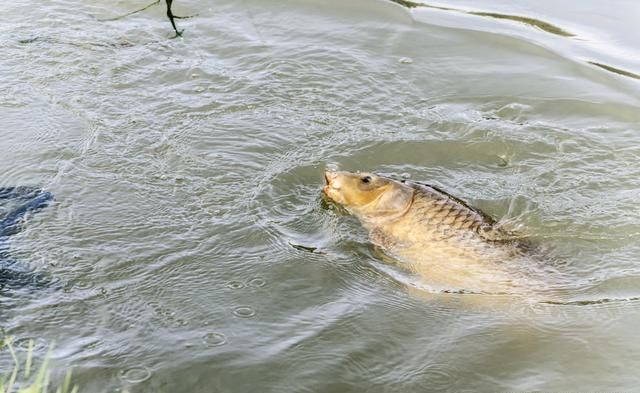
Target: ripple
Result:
[590, 302]
[615, 70]
[214, 339]
[135, 374]
[257, 282]
[542, 25]
[235, 285]
[23, 344]
[244, 312]
[82, 285]
[438, 377]
[180, 223]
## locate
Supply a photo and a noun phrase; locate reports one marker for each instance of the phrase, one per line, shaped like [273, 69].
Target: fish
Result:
[450, 245]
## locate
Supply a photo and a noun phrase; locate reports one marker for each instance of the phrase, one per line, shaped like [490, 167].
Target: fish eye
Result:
[366, 179]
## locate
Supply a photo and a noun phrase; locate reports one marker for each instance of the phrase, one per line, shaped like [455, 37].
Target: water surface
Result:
[189, 241]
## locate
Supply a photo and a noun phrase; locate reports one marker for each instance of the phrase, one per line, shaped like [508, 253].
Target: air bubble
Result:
[244, 312]
[235, 285]
[82, 285]
[214, 339]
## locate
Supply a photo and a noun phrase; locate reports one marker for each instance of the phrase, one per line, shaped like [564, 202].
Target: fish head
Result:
[367, 194]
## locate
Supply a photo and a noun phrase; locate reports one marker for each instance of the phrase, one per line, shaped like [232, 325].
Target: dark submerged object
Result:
[15, 204]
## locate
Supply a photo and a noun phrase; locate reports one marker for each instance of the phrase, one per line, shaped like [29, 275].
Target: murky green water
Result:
[189, 235]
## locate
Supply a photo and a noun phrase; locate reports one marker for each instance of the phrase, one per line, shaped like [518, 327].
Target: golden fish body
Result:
[447, 243]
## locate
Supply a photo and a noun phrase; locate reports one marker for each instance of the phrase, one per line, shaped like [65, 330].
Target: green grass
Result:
[25, 379]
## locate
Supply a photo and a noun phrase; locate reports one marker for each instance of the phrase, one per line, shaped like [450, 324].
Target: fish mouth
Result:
[328, 178]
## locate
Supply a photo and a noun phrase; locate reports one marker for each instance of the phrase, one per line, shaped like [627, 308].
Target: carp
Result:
[451, 246]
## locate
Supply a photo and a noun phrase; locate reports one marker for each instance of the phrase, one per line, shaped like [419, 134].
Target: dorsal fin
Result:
[487, 218]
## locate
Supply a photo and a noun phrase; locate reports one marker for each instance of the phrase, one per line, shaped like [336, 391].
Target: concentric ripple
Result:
[135, 375]
[244, 312]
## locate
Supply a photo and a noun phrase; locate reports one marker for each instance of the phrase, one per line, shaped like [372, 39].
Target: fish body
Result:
[449, 244]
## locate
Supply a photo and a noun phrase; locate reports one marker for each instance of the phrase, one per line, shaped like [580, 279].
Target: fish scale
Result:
[444, 205]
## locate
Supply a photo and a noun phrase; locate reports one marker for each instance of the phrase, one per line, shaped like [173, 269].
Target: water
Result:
[191, 245]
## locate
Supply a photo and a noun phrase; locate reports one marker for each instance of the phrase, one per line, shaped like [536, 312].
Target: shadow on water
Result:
[15, 204]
